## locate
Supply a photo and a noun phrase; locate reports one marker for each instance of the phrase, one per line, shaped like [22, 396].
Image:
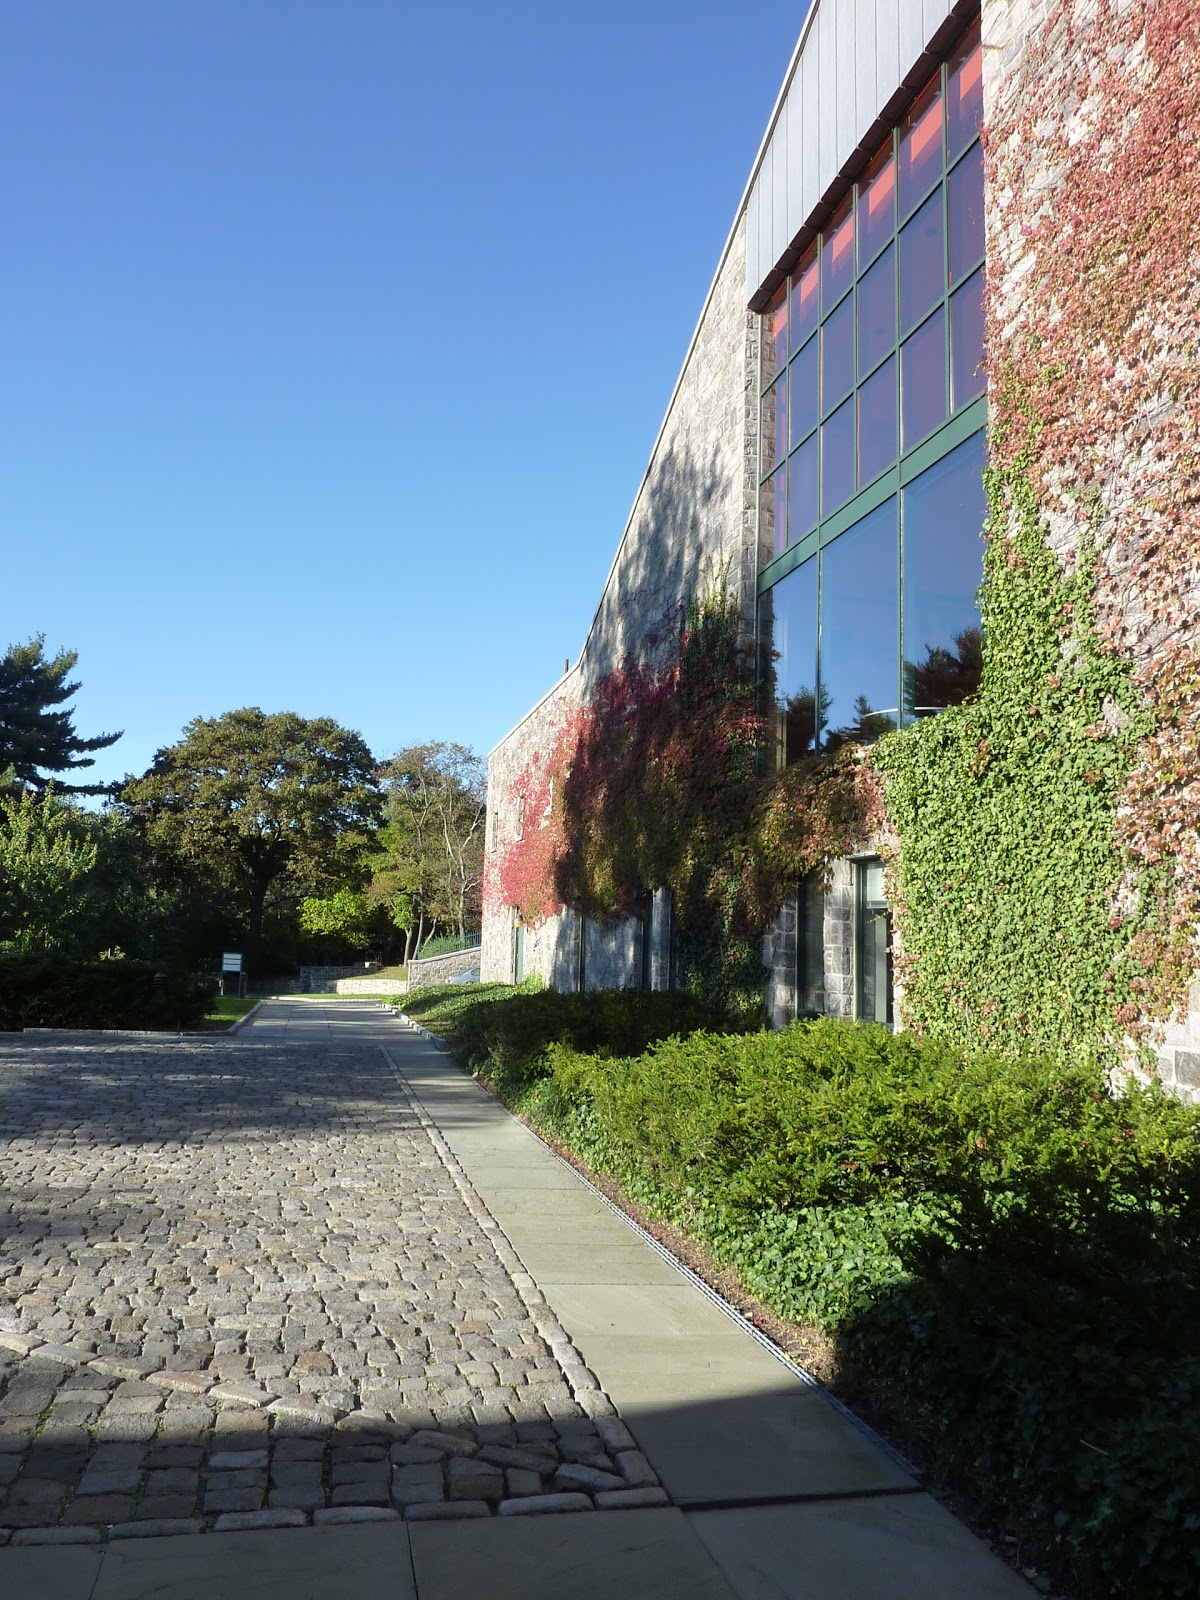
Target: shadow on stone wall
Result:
[670, 550]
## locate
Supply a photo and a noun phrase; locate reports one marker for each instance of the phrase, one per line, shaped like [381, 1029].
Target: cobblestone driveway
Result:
[244, 1282]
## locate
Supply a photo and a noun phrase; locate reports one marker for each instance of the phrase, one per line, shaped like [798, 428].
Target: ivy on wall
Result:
[1045, 858]
[1047, 880]
[659, 781]
[1017, 926]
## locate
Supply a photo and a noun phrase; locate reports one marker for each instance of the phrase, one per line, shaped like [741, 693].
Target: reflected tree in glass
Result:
[788, 628]
[943, 514]
[859, 630]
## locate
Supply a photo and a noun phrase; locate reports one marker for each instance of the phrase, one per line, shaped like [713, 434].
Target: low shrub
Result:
[446, 944]
[1004, 1251]
[44, 992]
[515, 1033]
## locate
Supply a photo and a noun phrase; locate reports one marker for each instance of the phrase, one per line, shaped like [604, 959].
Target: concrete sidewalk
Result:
[777, 1495]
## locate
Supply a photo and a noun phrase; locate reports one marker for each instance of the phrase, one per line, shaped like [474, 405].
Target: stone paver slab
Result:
[906, 1547]
[327, 1563]
[523, 1557]
[33, 1573]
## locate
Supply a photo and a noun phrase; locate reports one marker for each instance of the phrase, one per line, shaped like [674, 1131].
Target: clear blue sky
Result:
[335, 334]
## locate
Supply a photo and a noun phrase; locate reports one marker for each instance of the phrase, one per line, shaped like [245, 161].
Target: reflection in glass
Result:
[877, 422]
[964, 100]
[965, 186]
[872, 938]
[766, 433]
[943, 512]
[859, 627]
[920, 147]
[837, 458]
[774, 335]
[923, 381]
[804, 298]
[803, 486]
[810, 949]
[876, 205]
[837, 355]
[922, 271]
[967, 378]
[837, 256]
[793, 641]
[803, 397]
[876, 298]
[780, 393]
[774, 511]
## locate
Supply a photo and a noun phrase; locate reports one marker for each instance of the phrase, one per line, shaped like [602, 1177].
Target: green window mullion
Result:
[946, 256]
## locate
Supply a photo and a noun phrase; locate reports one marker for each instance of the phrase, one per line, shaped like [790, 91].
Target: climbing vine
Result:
[1048, 877]
[660, 780]
[1045, 859]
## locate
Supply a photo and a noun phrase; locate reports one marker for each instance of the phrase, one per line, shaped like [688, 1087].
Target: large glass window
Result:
[888, 297]
[788, 624]
[943, 515]
[833, 624]
[860, 615]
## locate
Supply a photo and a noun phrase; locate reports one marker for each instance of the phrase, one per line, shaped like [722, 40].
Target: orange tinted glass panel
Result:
[774, 352]
[837, 255]
[920, 147]
[804, 298]
[876, 205]
[964, 100]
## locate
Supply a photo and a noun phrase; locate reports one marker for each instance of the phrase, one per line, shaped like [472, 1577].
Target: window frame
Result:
[845, 513]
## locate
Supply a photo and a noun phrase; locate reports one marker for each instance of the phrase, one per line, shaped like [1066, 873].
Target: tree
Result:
[429, 866]
[343, 920]
[44, 863]
[256, 799]
[36, 740]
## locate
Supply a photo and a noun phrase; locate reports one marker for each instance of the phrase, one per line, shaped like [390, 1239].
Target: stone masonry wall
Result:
[695, 514]
[440, 969]
[547, 945]
[1092, 113]
[694, 521]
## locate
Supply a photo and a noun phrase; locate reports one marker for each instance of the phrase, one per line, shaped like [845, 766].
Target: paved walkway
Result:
[313, 1292]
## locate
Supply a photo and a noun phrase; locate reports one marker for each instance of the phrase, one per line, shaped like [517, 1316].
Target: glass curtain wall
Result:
[872, 441]
[876, 338]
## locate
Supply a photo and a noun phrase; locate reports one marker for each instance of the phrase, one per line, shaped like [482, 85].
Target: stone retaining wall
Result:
[372, 986]
[440, 969]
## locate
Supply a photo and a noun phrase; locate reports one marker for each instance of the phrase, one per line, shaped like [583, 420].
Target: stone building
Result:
[824, 449]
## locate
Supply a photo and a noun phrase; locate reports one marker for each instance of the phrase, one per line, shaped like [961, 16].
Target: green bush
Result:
[515, 1033]
[446, 944]
[1004, 1250]
[41, 992]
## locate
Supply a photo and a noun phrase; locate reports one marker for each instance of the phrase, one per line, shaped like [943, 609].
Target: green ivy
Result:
[1013, 928]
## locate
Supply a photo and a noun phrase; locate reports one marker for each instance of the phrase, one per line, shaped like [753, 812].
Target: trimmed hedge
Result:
[41, 992]
[513, 1029]
[1003, 1250]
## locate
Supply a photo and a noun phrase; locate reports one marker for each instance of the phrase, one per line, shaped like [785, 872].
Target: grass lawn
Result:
[224, 1010]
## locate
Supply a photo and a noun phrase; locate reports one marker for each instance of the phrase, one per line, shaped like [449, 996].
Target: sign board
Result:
[231, 961]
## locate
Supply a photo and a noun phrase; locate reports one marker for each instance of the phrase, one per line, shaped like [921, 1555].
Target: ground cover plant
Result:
[224, 1010]
[1002, 1249]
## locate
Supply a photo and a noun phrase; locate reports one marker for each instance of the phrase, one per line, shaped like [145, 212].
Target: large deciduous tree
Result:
[254, 798]
[429, 867]
[37, 741]
[45, 860]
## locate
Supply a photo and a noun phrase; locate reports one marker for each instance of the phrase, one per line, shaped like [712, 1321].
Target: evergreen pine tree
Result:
[37, 741]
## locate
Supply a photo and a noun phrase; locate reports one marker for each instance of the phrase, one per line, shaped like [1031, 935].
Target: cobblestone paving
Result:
[245, 1284]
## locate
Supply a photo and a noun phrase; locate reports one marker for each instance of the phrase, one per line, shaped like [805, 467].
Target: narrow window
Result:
[520, 816]
[872, 941]
[810, 949]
